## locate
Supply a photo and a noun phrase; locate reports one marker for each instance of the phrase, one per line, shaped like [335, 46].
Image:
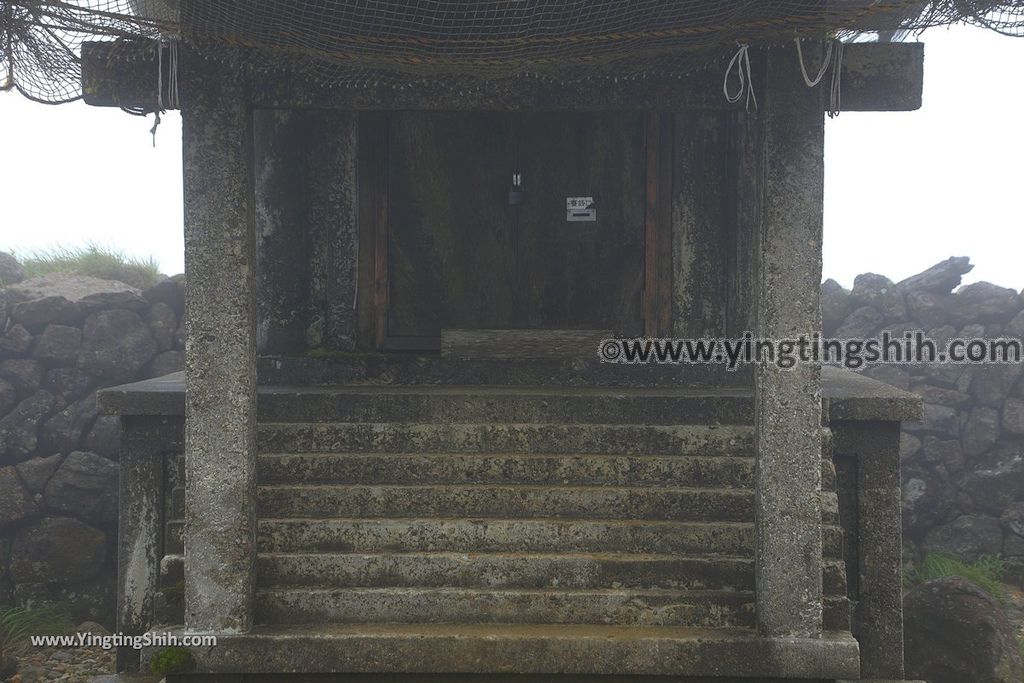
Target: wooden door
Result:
[450, 250]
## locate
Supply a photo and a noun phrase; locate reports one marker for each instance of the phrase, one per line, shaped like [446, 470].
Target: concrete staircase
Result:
[496, 516]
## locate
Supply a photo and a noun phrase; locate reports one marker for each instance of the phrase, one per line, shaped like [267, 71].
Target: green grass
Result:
[172, 660]
[17, 624]
[93, 260]
[986, 572]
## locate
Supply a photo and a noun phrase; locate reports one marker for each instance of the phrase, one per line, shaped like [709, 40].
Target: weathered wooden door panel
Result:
[584, 274]
[450, 222]
[459, 256]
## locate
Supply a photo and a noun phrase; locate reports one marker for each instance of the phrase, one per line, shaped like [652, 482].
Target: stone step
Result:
[520, 570]
[485, 404]
[538, 651]
[374, 369]
[506, 501]
[515, 535]
[506, 535]
[504, 468]
[376, 437]
[700, 609]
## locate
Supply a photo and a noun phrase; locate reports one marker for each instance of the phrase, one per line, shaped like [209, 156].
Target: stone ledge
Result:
[526, 649]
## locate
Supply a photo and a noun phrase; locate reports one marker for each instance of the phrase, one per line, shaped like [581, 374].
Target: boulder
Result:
[86, 486]
[16, 341]
[967, 537]
[104, 438]
[991, 490]
[170, 291]
[984, 302]
[860, 324]
[70, 287]
[25, 374]
[58, 344]
[910, 445]
[946, 452]
[166, 363]
[36, 314]
[940, 396]
[63, 432]
[1013, 416]
[8, 397]
[16, 502]
[926, 500]
[116, 344]
[57, 550]
[1015, 328]
[991, 384]
[936, 419]
[11, 272]
[955, 632]
[931, 310]
[36, 472]
[1013, 519]
[835, 304]
[162, 324]
[18, 429]
[69, 384]
[942, 278]
[894, 375]
[879, 292]
[981, 431]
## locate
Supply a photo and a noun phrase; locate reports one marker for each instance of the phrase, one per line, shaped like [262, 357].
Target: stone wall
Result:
[963, 465]
[62, 338]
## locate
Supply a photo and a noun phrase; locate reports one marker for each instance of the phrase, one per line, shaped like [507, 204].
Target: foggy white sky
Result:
[902, 190]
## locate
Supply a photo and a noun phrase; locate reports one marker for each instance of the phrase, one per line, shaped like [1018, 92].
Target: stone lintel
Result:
[875, 77]
[220, 403]
[787, 407]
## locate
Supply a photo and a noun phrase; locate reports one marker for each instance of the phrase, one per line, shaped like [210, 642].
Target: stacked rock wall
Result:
[963, 464]
[61, 338]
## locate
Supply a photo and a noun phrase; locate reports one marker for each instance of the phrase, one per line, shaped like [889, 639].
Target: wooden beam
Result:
[876, 77]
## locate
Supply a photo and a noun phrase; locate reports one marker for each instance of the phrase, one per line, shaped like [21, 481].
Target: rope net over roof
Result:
[355, 42]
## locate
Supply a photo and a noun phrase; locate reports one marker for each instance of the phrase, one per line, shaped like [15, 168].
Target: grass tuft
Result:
[17, 624]
[93, 260]
[986, 572]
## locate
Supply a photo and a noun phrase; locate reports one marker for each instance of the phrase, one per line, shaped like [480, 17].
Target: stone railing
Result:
[62, 338]
[963, 464]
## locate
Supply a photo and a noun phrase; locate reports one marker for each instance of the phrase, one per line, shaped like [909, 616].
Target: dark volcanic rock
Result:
[955, 632]
[104, 438]
[36, 472]
[11, 271]
[931, 310]
[63, 432]
[162, 324]
[16, 341]
[968, 537]
[16, 502]
[18, 430]
[166, 363]
[835, 304]
[981, 431]
[69, 384]
[58, 344]
[1013, 416]
[86, 486]
[36, 314]
[116, 344]
[170, 291]
[879, 292]
[942, 278]
[8, 397]
[860, 324]
[984, 302]
[57, 549]
[25, 374]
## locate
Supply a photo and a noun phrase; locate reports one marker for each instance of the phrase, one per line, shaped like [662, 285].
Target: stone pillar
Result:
[788, 402]
[220, 399]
